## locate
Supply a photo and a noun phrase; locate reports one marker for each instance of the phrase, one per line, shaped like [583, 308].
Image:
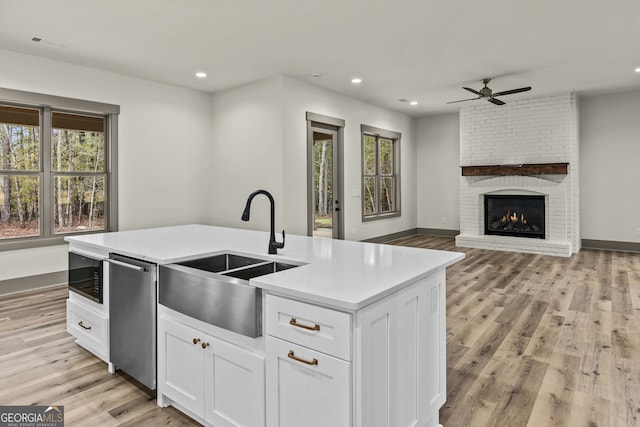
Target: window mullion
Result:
[111, 184]
[46, 186]
[378, 183]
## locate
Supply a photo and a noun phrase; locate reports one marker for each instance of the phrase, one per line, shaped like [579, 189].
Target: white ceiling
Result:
[422, 50]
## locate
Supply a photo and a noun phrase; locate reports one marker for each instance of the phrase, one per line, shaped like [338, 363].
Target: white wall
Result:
[259, 138]
[164, 174]
[300, 97]
[438, 171]
[246, 140]
[610, 177]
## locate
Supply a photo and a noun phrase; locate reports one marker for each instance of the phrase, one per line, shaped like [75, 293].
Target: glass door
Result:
[325, 171]
[325, 204]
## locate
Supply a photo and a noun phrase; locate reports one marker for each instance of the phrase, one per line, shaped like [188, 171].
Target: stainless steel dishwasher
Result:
[132, 317]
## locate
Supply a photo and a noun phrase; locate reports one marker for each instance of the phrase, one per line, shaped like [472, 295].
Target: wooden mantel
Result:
[517, 169]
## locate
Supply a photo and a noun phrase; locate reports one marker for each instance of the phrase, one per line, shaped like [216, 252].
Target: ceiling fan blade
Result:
[463, 100]
[509, 92]
[495, 101]
[472, 90]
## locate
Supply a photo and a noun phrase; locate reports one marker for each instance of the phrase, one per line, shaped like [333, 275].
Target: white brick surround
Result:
[543, 130]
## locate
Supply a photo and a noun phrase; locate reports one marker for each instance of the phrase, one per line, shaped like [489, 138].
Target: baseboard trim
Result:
[438, 232]
[28, 283]
[605, 245]
[610, 245]
[392, 236]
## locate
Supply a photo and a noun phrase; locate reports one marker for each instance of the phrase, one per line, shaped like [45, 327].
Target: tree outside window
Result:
[380, 171]
[54, 172]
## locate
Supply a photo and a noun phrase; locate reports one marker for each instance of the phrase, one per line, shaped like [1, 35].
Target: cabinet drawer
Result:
[322, 329]
[305, 387]
[89, 327]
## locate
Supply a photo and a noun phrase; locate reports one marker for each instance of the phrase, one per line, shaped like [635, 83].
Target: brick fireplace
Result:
[536, 131]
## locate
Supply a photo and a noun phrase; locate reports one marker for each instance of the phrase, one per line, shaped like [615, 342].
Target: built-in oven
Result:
[85, 276]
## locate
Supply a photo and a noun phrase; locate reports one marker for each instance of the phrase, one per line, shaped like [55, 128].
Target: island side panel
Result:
[400, 357]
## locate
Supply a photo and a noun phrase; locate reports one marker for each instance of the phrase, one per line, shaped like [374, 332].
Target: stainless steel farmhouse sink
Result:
[221, 262]
[216, 290]
[250, 272]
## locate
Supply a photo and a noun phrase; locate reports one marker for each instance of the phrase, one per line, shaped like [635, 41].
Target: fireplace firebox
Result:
[514, 215]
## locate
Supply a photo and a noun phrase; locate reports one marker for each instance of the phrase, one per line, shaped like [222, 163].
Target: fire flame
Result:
[513, 218]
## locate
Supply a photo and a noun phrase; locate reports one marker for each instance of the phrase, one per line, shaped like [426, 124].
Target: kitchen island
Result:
[354, 335]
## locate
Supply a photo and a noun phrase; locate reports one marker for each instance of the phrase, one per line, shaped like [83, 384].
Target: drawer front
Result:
[318, 328]
[305, 387]
[89, 327]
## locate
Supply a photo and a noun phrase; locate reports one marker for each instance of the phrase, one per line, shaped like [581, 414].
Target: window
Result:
[57, 163]
[380, 173]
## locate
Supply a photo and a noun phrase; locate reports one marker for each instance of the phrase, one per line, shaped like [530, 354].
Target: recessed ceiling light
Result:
[201, 74]
[637, 70]
[413, 103]
[356, 80]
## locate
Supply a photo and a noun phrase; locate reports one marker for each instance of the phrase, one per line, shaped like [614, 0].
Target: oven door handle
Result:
[126, 265]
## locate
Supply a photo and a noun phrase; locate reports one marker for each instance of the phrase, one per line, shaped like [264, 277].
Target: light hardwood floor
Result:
[531, 341]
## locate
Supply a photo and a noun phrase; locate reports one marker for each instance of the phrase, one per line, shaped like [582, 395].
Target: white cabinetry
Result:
[212, 380]
[89, 325]
[87, 320]
[401, 360]
[308, 352]
[181, 365]
[381, 366]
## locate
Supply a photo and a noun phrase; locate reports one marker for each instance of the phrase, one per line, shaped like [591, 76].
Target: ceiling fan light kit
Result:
[488, 94]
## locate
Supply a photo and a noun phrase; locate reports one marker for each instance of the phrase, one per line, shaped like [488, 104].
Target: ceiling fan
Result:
[487, 93]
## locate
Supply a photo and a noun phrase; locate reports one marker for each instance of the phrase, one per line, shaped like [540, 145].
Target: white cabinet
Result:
[214, 381]
[381, 366]
[306, 387]
[308, 325]
[234, 386]
[308, 351]
[181, 361]
[401, 362]
[89, 325]
[88, 320]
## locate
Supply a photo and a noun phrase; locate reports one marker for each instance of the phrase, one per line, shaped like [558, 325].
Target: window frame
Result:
[47, 104]
[395, 138]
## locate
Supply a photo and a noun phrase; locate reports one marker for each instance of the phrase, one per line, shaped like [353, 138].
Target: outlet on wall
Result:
[443, 220]
[638, 231]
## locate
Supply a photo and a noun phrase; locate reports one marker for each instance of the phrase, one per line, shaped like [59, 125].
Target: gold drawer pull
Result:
[294, 322]
[205, 344]
[291, 355]
[88, 328]
[196, 340]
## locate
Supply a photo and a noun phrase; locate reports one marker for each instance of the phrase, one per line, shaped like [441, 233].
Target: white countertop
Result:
[342, 274]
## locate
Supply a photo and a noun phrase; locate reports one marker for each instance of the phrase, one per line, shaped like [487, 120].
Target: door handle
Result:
[294, 322]
[88, 328]
[293, 356]
[126, 265]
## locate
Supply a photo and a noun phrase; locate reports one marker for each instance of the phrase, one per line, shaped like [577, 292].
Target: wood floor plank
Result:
[596, 367]
[625, 404]
[591, 411]
[544, 340]
[555, 398]
[515, 406]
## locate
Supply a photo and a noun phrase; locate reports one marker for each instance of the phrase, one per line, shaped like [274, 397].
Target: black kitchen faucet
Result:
[273, 244]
